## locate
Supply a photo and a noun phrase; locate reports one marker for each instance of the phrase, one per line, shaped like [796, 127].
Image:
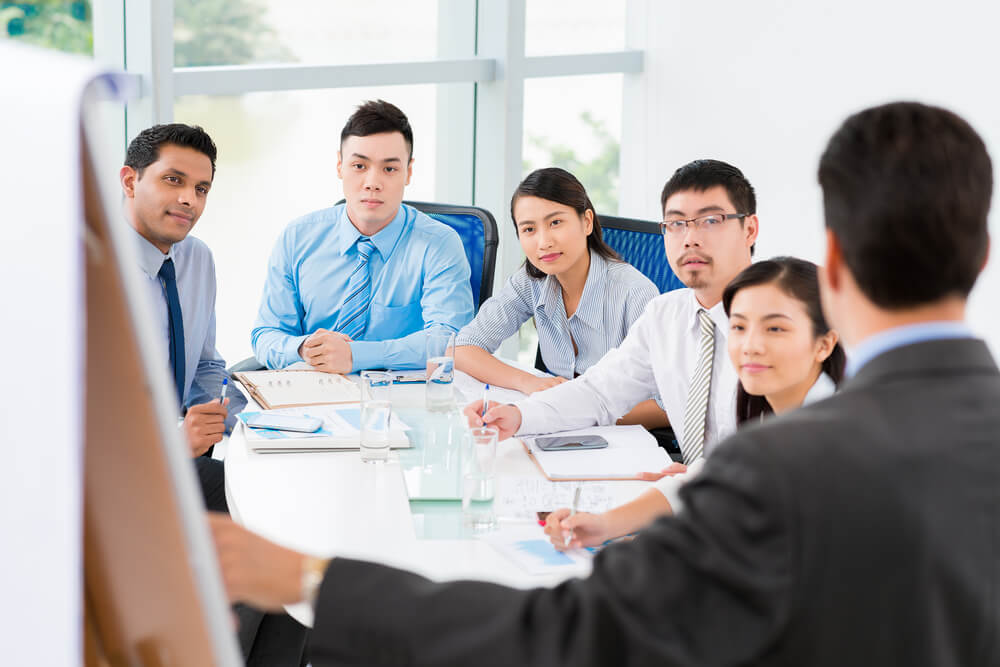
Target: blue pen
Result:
[225, 383]
[486, 390]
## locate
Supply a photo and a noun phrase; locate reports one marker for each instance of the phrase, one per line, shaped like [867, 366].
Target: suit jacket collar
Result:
[945, 356]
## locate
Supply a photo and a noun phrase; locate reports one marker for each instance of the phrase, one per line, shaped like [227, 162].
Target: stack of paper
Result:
[341, 430]
[631, 450]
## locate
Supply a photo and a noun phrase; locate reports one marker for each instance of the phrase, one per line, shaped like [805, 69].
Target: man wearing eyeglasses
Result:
[677, 348]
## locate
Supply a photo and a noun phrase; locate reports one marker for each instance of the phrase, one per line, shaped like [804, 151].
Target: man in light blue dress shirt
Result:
[357, 285]
[167, 175]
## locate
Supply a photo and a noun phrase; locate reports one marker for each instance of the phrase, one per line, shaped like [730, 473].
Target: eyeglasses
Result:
[710, 222]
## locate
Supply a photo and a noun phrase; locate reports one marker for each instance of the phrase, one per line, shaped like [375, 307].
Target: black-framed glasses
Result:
[703, 222]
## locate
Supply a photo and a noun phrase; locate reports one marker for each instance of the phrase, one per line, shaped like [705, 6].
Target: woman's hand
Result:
[588, 530]
[533, 383]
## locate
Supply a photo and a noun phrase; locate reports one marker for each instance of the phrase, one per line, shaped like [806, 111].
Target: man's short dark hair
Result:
[701, 175]
[144, 150]
[906, 192]
[377, 117]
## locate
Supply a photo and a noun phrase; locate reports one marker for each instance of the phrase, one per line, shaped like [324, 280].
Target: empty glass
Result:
[375, 419]
[479, 469]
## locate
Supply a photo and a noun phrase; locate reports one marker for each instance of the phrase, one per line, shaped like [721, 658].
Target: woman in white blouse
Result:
[581, 294]
[786, 356]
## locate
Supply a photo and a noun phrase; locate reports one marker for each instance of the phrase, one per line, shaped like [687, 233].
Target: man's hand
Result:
[506, 419]
[255, 570]
[532, 383]
[204, 425]
[327, 351]
[588, 530]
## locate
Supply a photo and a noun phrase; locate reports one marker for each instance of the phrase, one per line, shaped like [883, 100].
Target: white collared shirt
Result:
[670, 487]
[659, 355]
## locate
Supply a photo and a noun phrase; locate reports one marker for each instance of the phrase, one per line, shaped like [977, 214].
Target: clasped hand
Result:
[327, 351]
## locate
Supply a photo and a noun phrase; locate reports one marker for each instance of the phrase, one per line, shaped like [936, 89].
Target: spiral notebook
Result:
[297, 388]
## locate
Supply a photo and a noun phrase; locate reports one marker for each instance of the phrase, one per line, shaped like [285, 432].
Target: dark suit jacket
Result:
[861, 530]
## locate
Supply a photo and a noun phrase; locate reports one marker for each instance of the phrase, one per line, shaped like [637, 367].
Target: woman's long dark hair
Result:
[798, 279]
[562, 187]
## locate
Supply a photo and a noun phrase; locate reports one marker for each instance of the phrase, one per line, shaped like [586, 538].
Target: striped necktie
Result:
[353, 318]
[693, 444]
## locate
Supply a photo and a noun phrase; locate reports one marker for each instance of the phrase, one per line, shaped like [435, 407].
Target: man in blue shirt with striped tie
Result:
[356, 286]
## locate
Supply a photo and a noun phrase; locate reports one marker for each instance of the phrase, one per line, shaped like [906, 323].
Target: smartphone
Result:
[281, 422]
[568, 443]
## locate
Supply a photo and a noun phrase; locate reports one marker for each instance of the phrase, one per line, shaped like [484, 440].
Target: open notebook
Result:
[631, 450]
[293, 388]
[341, 430]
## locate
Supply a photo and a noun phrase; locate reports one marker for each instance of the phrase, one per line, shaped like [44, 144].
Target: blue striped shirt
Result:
[614, 296]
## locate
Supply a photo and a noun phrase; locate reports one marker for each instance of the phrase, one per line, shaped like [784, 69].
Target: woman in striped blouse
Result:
[582, 295]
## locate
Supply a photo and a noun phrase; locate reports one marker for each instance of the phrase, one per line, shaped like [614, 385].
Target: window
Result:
[560, 27]
[66, 26]
[223, 32]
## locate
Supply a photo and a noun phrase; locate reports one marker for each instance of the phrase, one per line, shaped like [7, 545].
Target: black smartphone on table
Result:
[570, 443]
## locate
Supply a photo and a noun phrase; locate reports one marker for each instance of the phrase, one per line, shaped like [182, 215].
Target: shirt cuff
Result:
[290, 350]
[532, 416]
[367, 354]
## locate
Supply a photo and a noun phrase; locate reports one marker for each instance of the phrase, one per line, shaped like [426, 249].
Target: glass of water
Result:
[479, 472]
[376, 386]
[375, 419]
[440, 369]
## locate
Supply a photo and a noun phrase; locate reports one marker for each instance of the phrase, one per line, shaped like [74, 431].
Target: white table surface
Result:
[333, 504]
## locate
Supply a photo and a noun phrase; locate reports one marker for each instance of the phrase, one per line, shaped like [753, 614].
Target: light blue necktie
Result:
[353, 318]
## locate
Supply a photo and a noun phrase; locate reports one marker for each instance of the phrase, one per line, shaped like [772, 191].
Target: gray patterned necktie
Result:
[693, 443]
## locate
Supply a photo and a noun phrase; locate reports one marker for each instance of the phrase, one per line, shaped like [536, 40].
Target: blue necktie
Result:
[353, 319]
[175, 324]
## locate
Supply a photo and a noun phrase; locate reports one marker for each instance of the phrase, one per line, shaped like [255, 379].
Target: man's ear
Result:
[751, 227]
[128, 176]
[834, 261]
[340, 162]
[409, 172]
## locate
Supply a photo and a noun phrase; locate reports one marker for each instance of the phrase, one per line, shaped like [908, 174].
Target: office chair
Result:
[478, 230]
[640, 243]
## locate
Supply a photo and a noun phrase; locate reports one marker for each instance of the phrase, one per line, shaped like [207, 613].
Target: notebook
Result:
[631, 450]
[293, 388]
[341, 430]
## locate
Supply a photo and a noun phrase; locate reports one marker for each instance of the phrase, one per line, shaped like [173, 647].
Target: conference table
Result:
[333, 504]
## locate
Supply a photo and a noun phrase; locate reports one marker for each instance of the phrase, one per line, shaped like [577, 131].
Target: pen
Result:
[225, 383]
[572, 511]
[486, 390]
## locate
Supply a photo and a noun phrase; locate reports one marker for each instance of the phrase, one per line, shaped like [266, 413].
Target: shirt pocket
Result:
[388, 322]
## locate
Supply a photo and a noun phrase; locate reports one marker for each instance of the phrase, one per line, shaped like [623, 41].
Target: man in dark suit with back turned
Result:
[860, 530]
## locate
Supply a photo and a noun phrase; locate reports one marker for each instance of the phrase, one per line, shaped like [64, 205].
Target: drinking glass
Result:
[375, 419]
[440, 370]
[479, 466]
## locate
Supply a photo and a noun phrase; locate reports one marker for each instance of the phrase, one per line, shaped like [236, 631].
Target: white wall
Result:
[764, 84]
